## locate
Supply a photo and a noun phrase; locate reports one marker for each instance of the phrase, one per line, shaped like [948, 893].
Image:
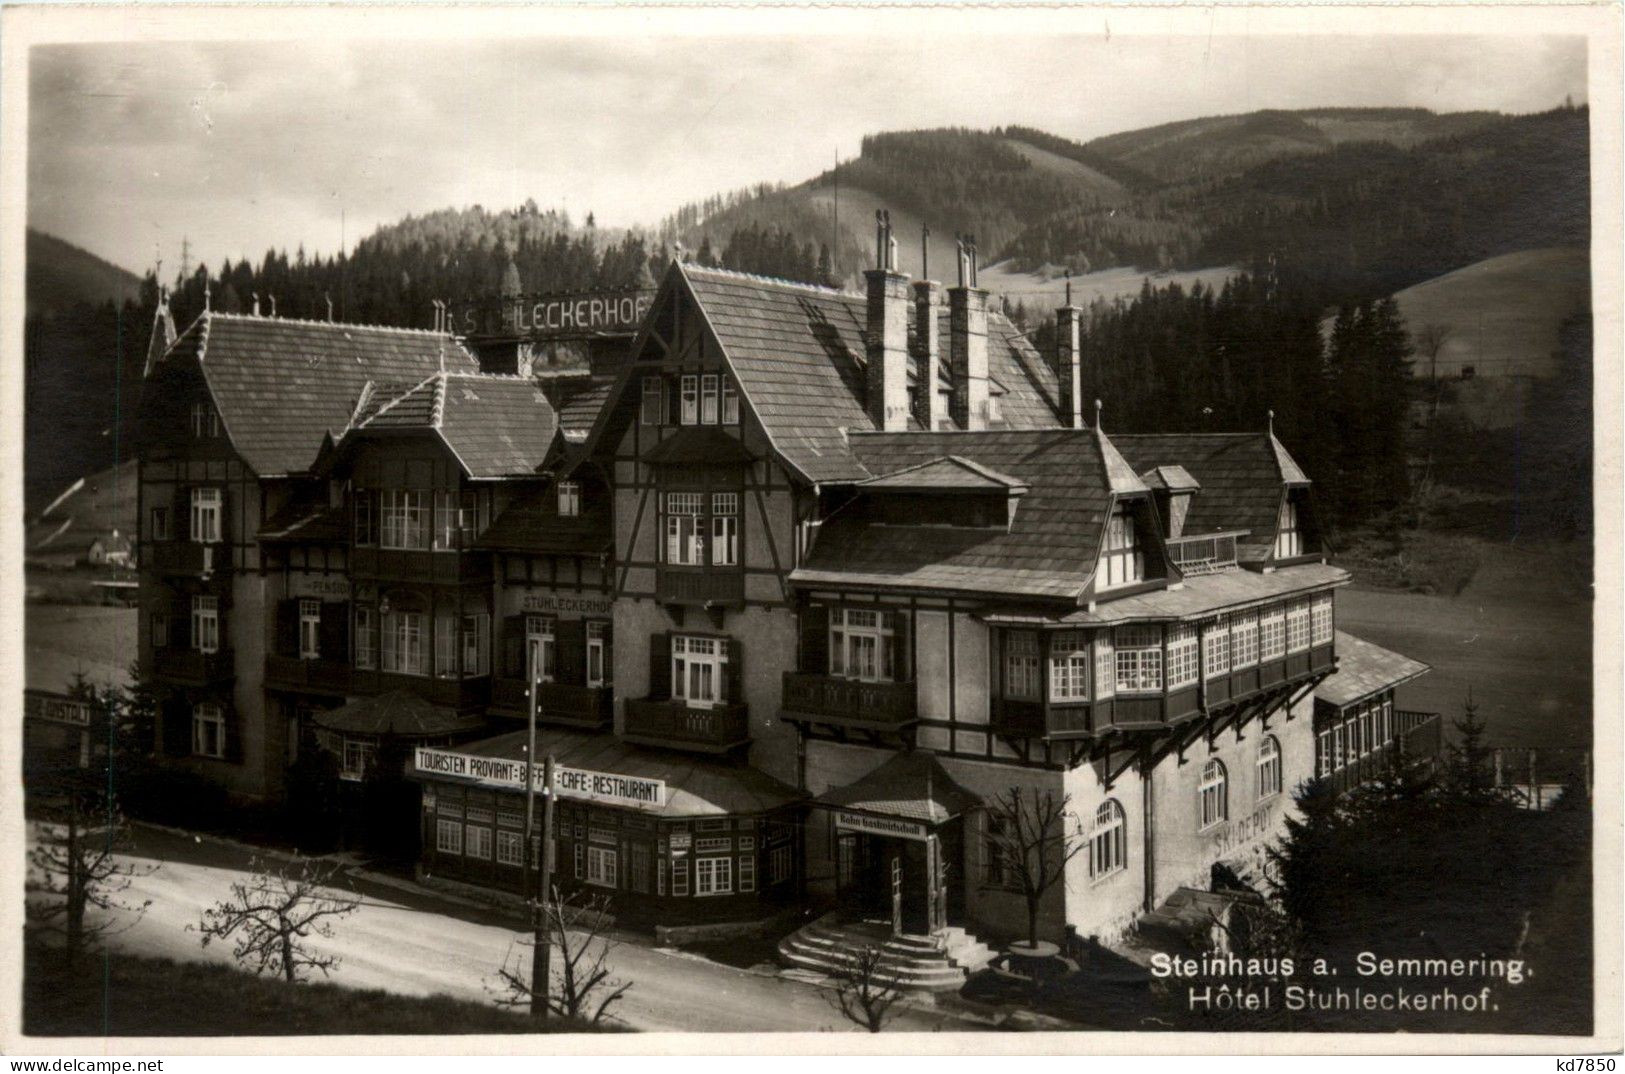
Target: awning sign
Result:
[608, 787]
[55, 709]
[863, 822]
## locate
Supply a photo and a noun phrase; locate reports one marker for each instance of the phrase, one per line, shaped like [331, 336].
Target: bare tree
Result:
[1029, 842]
[273, 914]
[74, 868]
[864, 992]
[581, 983]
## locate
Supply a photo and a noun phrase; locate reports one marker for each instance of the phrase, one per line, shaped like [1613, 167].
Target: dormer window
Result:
[1288, 531]
[1122, 561]
[205, 421]
[569, 499]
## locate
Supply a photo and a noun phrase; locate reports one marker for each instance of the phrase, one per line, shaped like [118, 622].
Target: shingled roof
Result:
[497, 426]
[532, 523]
[1365, 668]
[281, 385]
[1050, 549]
[1241, 475]
[800, 356]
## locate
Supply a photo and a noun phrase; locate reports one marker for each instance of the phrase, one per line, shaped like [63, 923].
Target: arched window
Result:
[1108, 842]
[1214, 793]
[1269, 767]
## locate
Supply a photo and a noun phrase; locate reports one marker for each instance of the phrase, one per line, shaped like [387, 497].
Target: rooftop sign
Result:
[578, 315]
[609, 788]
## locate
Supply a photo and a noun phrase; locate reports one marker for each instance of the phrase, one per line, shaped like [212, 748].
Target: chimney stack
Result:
[928, 335]
[1068, 365]
[967, 339]
[888, 333]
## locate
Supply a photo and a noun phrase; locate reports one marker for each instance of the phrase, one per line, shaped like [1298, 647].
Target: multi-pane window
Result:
[654, 400]
[1297, 626]
[366, 638]
[1288, 534]
[1269, 767]
[602, 866]
[730, 403]
[1021, 665]
[208, 730]
[689, 399]
[697, 667]
[1139, 659]
[1272, 634]
[1323, 753]
[445, 646]
[747, 872]
[403, 518]
[1122, 561]
[206, 515]
[1320, 614]
[205, 421]
[679, 876]
[477, 841]
[448, 836]
[540, 663]
[159, 529]
[1216, 649]
[359, 755]
[476, 644]
[685, 533]
[1244, 640]
[403, 648]
[713, 876]
[600, 660]
[1182, 656]
[310, 629]
[1108, 841]
[1214, 793]
[569, 499]
[1069, 666]
[1105, 666]
[708, 399]
[510, 848]
[206, 623]
[724, 529]
[860, 644]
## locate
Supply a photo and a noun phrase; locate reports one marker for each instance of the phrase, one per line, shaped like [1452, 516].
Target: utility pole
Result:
[538, 921]
[541, 962]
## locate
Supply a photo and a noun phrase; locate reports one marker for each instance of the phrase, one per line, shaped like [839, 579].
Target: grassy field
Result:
[60, 640]
[127, 996]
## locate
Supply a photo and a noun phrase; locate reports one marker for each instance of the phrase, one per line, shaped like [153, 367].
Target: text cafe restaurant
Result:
[671, 839]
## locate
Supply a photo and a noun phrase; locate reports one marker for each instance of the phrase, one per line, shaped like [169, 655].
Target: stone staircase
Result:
[925, 963]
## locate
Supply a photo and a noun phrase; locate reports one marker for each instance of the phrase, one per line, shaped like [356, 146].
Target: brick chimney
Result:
[928, 338]
[888, 333]
[1068, 369]
[967, 340]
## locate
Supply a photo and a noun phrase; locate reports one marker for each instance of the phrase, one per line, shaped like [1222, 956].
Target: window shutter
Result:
[513, 647]
[815, 639]
[735, 673]
[177, 721]
[335, 631]
[287, 628]
[902, 647]
[571, 639]
[659, 667]
[180, 526]
[233, 732]
[180, 623]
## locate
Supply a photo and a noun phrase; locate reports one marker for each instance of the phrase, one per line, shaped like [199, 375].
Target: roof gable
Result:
[1240, 476]
[497, 426]
[946, 474]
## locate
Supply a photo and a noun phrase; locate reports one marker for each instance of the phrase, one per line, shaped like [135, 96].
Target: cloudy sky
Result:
[240, 147]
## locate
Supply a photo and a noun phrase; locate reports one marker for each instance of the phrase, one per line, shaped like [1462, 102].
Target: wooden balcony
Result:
[1206, 553]
[559, 704]
[329, 677]
[190, 667]
[420, 565]
[184, 557]
[1418, 740]
[830, 699]
[673, 725]
[704, 586]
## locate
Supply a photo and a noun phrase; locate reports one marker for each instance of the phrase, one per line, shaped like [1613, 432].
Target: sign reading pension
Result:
[862, 822]
[563, 316]
[607, 787]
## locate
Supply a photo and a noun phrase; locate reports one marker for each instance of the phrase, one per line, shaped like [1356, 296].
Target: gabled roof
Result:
[911, 785]
[1242, 476]
[281, 384]
[800, 356]
[579, 402]
[398, 712]
[1365, 668]
[950, 473]
[1171, 479]
[497, 426]
[1049, 550]
[162, 338]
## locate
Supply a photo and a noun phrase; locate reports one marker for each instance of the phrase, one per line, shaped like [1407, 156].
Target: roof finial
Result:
[256, 295]
[1272, 423]
[1098, 409]
[1069, 287]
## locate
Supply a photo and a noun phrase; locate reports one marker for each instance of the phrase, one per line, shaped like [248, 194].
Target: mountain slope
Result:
[60, 276]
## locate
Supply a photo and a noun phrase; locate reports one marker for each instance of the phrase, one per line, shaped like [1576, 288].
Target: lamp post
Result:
[540, 962]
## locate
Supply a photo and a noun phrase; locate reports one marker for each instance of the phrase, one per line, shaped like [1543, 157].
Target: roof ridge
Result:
[397, 399]
[330, 324]
[437, 408]
[779, 281]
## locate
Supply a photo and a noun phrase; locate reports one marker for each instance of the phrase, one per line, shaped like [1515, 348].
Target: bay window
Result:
[685, 536]
[698, 665]
[1216, 649]
[1122, 561]
[1272, 633]
[206, 624]
[861, 644]
[1297, 626]
[1321, 616]
[1139, 659]
[724, 529]
[404, 519]
[1243, 640]
[206, 511]
[1182, 656]
[1105, 666]
[1021, 671]
[403, 648]
[1069, 666]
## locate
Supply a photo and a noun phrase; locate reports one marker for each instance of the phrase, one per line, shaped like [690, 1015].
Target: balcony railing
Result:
[1205, 553]
[185, 557]
[1418, 739]
[676, 726]
[316, 676]
[832, 699]
[559, 703]
[420, 565]
[700, 585]
[191, 667]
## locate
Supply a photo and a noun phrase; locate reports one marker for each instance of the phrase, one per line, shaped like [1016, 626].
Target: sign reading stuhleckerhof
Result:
[561, 316]
[609, 788]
